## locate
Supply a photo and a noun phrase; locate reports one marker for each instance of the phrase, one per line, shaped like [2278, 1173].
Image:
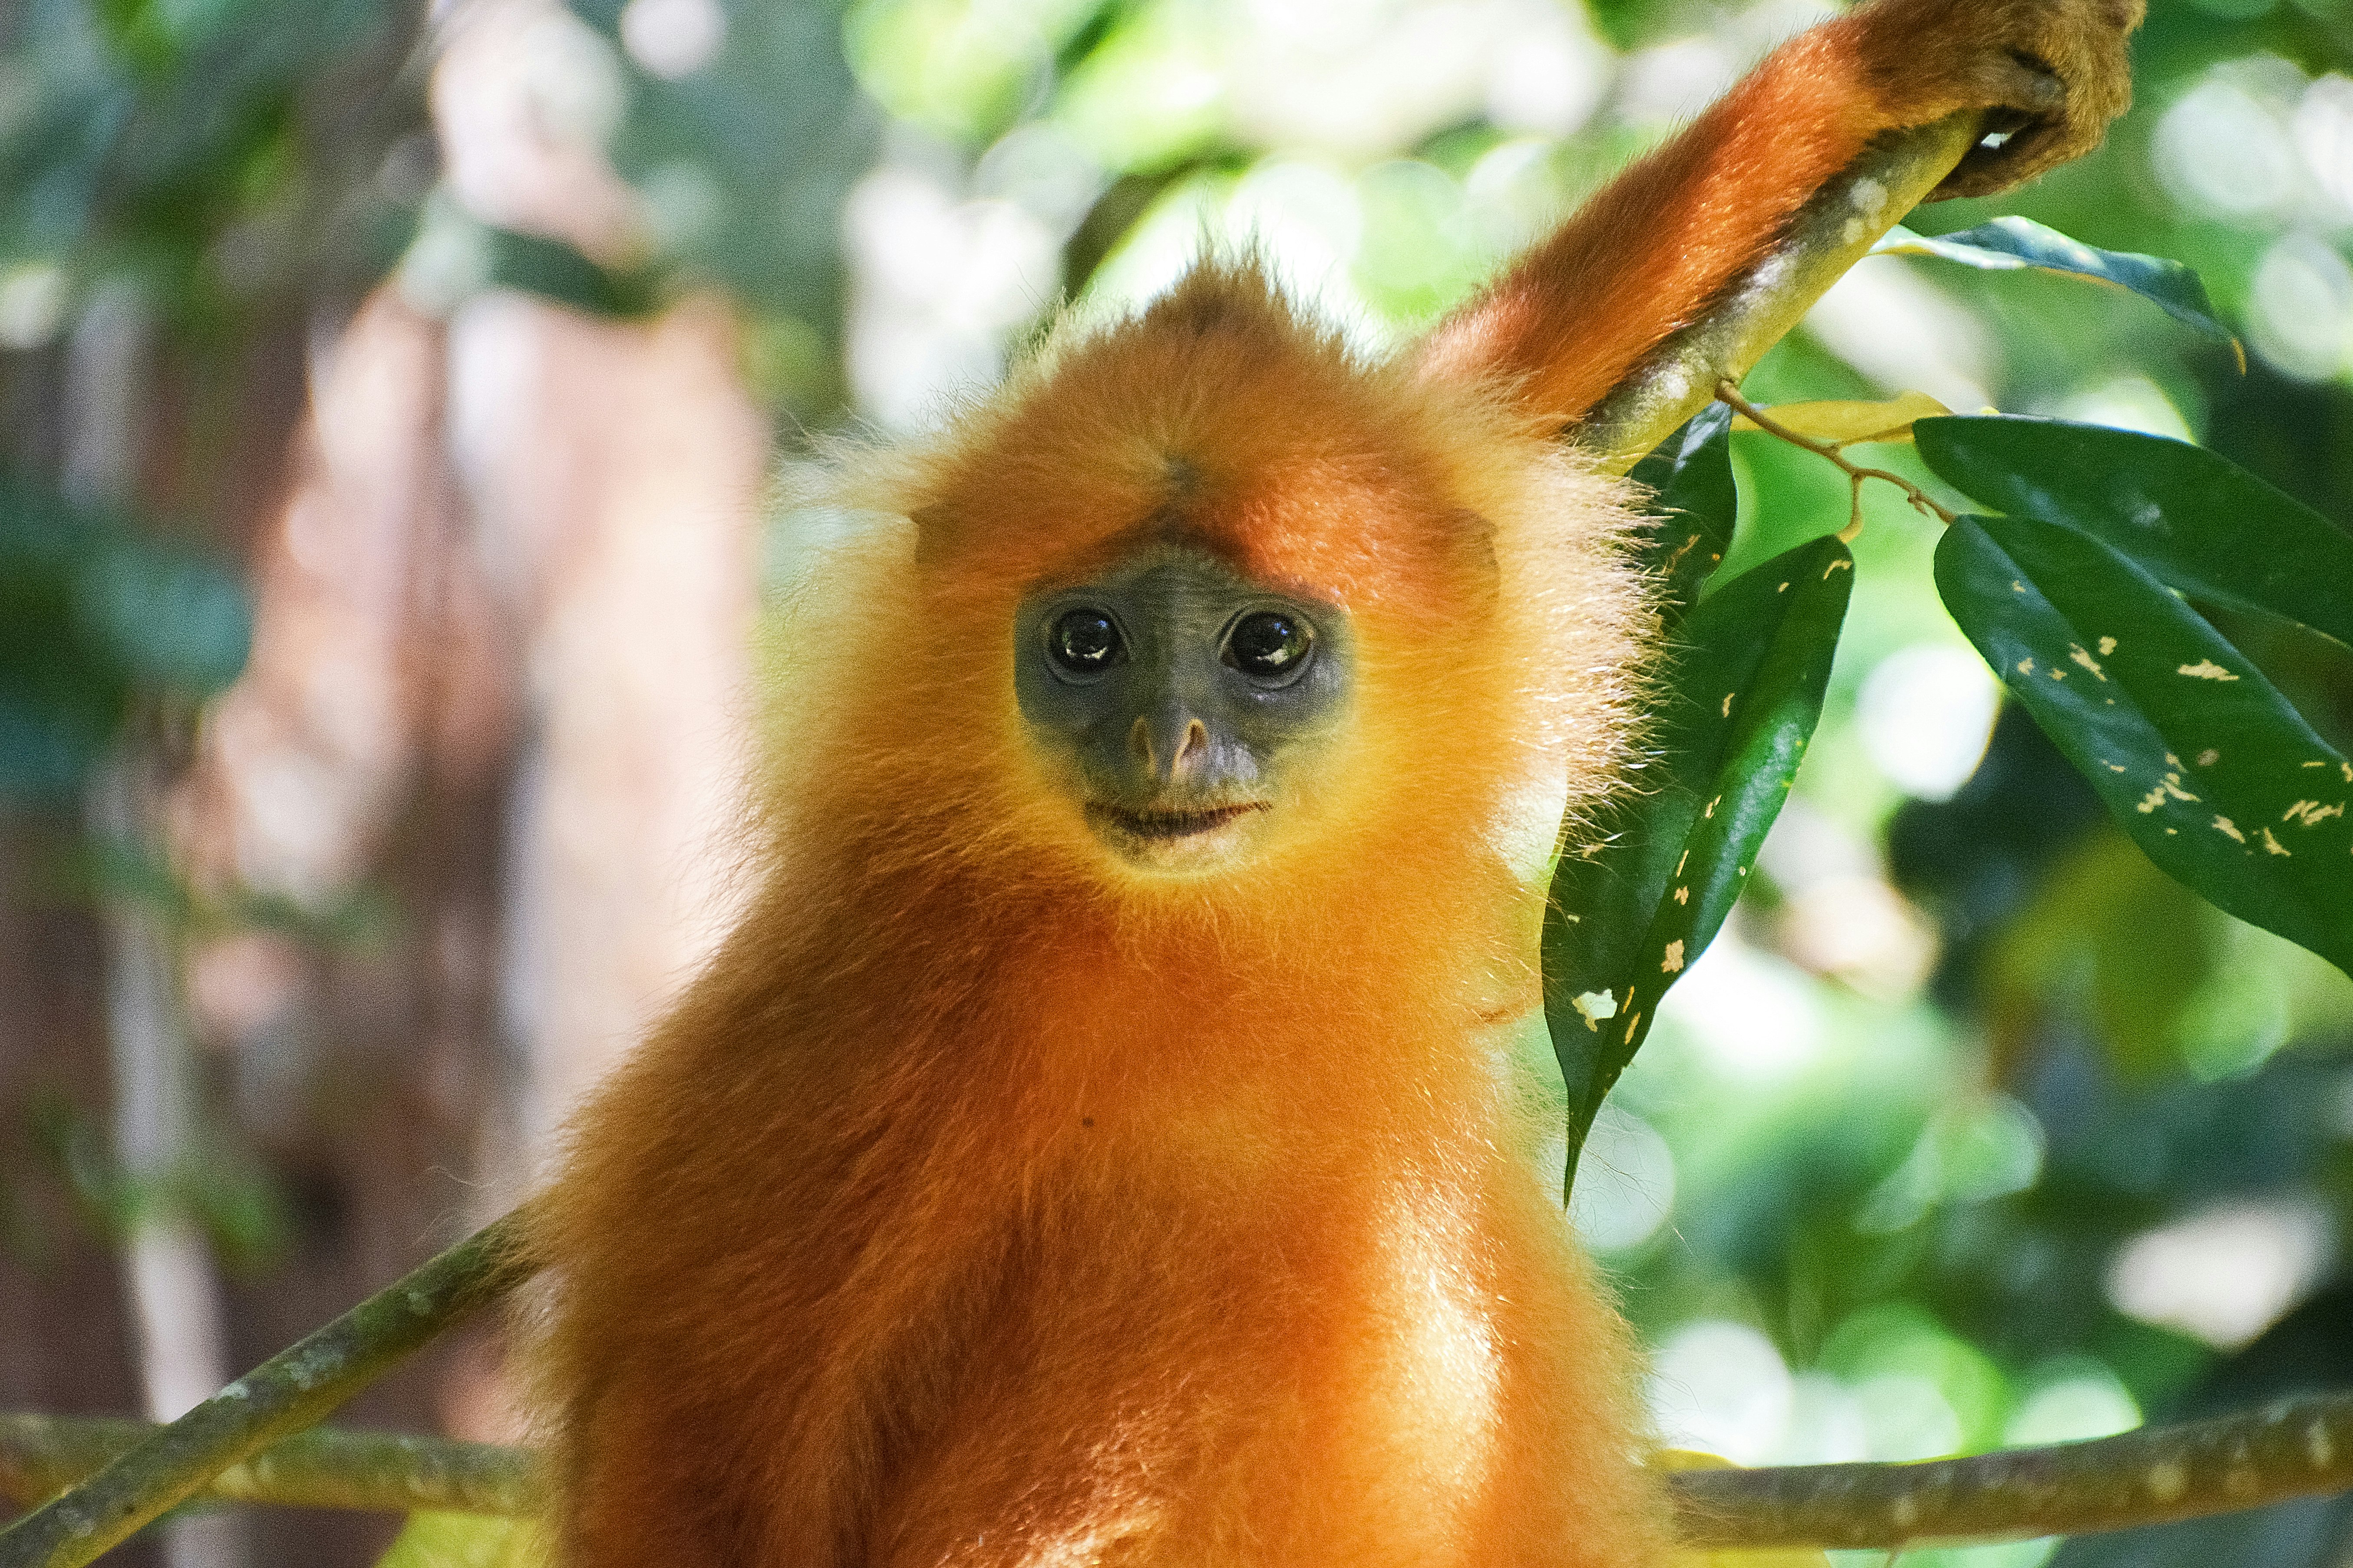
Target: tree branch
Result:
[2157, 1475]
[2297, 1448]
[1829, 234]
[370, 1472]
[291, 1391]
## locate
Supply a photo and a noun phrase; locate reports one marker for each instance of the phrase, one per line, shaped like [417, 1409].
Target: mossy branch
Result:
[380, 1473]
[2297, 1448]
[2154, 1476]
[291, 1391]
[1829, 234]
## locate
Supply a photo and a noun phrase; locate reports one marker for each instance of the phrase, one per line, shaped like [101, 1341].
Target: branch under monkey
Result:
[2155, 1474]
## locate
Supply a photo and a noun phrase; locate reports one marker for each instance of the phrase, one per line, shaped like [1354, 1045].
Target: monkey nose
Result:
[1170, 746]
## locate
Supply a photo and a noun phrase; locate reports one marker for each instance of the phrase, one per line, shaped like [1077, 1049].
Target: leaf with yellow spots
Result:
[1692, 500]
[1630, 918]
[2247, 824]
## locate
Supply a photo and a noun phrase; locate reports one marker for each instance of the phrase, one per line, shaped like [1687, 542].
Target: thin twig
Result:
[291, 1390]
[1856, 473]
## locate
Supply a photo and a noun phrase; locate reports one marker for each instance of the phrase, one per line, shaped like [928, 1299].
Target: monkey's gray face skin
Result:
[1183, 702]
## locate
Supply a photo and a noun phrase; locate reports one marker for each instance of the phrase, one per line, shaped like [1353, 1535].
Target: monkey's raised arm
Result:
[1662, 242]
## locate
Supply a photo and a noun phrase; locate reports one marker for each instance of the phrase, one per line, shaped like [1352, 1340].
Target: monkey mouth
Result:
[1168, 824]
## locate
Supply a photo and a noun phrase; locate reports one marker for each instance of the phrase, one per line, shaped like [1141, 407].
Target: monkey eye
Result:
[1268, 645]
[1084, 642]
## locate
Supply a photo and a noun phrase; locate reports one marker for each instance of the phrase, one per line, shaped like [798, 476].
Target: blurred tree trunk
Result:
[172, 1287]
[497, 700]
[456, 835]
[64, 1339]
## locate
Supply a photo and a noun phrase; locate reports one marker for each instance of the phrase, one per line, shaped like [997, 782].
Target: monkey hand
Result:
[2049, 73]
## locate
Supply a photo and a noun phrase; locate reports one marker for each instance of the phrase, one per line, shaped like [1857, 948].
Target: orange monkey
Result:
[1092, 1146]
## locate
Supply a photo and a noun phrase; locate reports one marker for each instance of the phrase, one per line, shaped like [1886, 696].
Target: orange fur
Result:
[1191, 1220]
[989, 1202]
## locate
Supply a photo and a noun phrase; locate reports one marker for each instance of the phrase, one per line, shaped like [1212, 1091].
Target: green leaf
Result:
[2197, 522]
[554, 270]
[1689, 476]
[2013, 242]
[175, 618]
[2209, 769]
[1606, 885]
[1630, 24]
[94, 611]
[1631, 912]
[436, 1539]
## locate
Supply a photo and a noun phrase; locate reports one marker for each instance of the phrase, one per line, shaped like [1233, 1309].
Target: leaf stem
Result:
[1856, 473]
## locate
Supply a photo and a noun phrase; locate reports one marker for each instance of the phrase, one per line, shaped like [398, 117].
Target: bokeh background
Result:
[388, 394]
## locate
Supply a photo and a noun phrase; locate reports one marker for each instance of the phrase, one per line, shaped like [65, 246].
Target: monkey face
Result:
[1180, 704]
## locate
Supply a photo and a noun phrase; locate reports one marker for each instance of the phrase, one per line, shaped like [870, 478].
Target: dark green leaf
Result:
[2197, 522]
[1689, 476]
[2013, 242]
[1633, 911]
[2217, 779]
[49, 744]
[92, 612]
[554, 270]
[176, 619]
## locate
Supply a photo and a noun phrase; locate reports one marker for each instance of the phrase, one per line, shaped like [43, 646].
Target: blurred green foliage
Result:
[217, 151]
[236, 1202]
[93, 613]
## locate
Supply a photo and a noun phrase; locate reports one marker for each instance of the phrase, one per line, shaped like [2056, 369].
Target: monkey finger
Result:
[2018, 80]
[2028, 150]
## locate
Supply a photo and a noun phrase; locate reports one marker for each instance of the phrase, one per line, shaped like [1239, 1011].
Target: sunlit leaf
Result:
[2013, 242]
[1630, 24]
[2197, 522]
[434, 1539]
[2215, 776]
[1630, 912]
[1844, 424]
